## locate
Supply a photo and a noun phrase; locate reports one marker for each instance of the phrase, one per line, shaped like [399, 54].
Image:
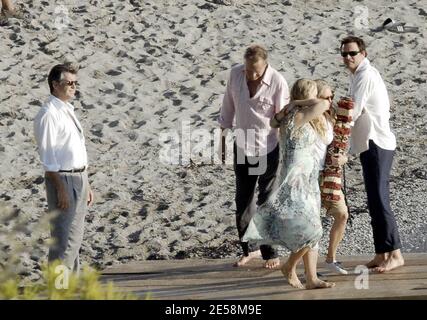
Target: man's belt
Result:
[74, 170]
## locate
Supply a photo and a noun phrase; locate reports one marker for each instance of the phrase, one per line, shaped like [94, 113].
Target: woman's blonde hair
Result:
[303, 89]
[322, 85]
[306, 89]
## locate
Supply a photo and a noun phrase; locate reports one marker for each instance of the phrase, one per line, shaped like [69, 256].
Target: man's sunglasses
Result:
[351, 53]
[70, 83]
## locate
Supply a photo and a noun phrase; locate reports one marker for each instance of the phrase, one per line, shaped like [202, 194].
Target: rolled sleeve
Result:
[227, 111]
[46, 136]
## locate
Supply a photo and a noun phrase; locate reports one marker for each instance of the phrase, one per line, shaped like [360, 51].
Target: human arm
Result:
[278, 117]
[281, 100]
[227, 110]
[222, 149]
[362, 89]
[63, 200]
[90, 196]
[226, 117]
[339, 160]
[311, 109]
[45, 133]
[45, 130]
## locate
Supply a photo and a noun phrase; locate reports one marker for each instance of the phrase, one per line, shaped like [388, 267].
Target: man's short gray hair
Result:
[255, 52]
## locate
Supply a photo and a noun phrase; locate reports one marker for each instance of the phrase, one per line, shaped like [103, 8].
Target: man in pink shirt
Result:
[255, 93]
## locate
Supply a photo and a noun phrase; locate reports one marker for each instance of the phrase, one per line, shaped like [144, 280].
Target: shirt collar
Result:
[267, 76]
[58, 103]
[362, 66]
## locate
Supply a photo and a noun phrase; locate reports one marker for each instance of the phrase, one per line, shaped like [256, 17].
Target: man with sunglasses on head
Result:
[61, 146]
[371, 136]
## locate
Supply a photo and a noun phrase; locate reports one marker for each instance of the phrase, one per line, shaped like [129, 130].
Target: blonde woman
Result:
[291, 215]
[337, 209]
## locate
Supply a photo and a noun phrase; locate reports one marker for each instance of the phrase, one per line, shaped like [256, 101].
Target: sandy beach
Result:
[151, 70]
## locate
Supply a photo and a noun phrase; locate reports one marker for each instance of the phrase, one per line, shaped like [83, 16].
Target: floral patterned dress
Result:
[291, 215]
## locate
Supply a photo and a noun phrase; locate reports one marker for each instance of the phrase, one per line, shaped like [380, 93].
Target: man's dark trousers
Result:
[245, 194]
[376, 164]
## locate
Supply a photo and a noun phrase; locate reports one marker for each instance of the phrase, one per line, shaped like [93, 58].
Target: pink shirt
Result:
[251, 116]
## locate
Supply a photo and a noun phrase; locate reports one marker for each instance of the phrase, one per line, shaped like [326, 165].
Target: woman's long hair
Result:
[322, 85]
[307, 89]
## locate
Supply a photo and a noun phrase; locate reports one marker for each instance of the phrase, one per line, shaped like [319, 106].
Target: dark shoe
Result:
[398, 27]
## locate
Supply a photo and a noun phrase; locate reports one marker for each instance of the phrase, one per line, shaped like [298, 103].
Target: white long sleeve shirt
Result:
[371, 112]
[59, 136]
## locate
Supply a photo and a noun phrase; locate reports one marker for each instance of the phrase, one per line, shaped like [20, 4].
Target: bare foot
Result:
[272, 263]
[291, 277]
[245, 259]
[377, 260]
[390, 264]
[318, 284]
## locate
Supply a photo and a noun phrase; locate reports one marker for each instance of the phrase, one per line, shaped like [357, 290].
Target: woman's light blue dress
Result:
[291, 215]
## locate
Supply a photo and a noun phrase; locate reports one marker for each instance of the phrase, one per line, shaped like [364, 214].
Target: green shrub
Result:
[54, 285]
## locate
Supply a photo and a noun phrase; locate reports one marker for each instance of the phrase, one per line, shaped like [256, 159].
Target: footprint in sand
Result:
[113, 124]
[113, 72]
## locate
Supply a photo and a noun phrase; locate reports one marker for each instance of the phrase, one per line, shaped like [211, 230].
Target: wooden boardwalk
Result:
[218, 279]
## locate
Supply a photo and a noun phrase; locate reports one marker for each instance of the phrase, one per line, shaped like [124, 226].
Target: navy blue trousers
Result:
[376, 164]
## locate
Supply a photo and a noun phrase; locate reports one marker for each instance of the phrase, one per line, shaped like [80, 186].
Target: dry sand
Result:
[147, 66]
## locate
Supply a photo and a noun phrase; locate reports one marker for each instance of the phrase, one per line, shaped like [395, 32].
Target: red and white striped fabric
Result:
[331, 176]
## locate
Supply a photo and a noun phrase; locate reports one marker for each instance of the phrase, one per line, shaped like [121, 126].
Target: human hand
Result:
[90, 197]
[286, 109]
[221, 147]
[339, 160]
[63, 201]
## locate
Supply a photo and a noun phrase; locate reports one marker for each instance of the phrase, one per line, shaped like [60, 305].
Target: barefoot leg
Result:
[272, 263]
[377, 260]
[319, 284]
[291, 276]
[290, 266]
[245, 259]
[395, 260]
[310, 265]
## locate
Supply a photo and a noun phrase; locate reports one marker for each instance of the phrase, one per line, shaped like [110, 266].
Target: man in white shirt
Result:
[255, 92]
[371, 136]
[61, 146]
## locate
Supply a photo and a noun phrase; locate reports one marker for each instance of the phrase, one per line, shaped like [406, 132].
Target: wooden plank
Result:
[218, 279]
